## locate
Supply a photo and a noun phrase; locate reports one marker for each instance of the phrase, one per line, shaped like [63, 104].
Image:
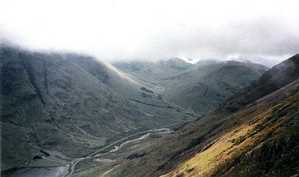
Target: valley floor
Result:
[77, 167]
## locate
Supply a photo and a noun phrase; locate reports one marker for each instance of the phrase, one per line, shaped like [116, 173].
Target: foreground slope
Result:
[262, 140]
[71, 104]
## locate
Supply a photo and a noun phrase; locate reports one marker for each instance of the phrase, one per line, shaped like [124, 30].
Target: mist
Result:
[259, 31]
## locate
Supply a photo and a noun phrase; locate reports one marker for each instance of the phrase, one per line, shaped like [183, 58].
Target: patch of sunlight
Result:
[229, 146]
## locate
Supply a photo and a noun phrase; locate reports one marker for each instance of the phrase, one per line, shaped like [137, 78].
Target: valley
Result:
[70, 165]
[71, 115]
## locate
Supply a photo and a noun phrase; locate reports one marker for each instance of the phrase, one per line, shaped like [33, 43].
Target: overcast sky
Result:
[151, 29]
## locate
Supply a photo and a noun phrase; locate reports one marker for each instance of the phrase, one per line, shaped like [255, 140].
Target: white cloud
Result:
[113, 29]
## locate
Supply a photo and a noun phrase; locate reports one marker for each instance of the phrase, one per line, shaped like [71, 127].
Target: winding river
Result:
[68, 170]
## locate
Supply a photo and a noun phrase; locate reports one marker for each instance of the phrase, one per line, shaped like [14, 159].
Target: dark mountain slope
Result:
[146, 99]
[200, 87]
[277, 77]
[66, 103]
[107, 74]
[204, 88]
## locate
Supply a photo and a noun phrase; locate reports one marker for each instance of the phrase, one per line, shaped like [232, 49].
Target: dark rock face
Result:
[69, 103]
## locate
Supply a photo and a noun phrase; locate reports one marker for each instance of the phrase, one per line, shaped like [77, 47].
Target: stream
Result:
[68, 170]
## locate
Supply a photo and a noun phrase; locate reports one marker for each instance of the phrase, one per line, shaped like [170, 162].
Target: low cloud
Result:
[254, 40]
[150, 30]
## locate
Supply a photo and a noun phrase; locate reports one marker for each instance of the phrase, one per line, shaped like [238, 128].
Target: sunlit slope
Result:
[262, 141]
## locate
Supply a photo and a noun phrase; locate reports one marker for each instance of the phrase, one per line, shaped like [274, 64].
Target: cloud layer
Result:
[140, 29]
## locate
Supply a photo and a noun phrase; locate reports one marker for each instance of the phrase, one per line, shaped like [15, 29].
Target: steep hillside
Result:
[204, 88]
[278, 76]
[146, 99]
[71, 104]
[262, 140]
[200, 87]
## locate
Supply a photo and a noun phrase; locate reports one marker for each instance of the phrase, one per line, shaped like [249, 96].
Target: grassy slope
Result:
[262, 141]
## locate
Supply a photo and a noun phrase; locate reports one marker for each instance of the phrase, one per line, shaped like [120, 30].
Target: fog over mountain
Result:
[261, 31]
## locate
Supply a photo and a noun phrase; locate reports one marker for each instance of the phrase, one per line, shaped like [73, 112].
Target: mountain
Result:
[70, 104]
[152, 73]
[204, 88]
[69, 115]
[278, 76]
[258, 139]
[200, 87]
[154, 70]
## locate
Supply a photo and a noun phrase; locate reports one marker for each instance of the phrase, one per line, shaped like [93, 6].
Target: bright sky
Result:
[126, 29]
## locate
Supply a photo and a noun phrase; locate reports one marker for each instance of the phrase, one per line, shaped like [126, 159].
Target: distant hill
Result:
[200, 87]
[154, 70]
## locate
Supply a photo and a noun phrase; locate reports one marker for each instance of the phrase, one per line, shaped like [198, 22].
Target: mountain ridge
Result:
[198, 87]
